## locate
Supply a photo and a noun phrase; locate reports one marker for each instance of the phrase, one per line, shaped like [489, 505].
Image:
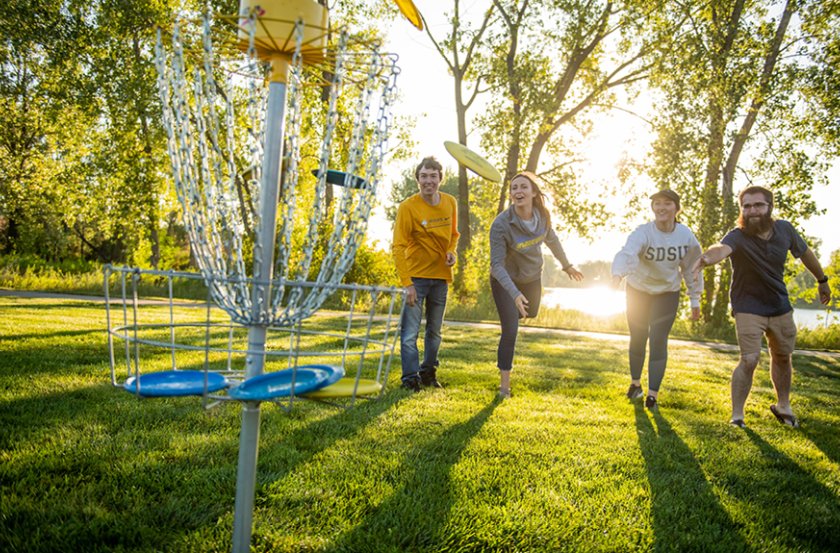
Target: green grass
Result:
[567, 464]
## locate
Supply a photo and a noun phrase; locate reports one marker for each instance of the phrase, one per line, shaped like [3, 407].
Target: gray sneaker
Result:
[634, 392]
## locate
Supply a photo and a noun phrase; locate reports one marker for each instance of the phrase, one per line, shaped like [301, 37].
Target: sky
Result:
[427, 93]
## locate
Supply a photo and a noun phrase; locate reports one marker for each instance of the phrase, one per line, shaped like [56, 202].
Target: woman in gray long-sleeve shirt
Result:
[516, 264]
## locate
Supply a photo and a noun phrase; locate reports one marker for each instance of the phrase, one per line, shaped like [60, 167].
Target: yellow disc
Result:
[473, 161]
[344, 388]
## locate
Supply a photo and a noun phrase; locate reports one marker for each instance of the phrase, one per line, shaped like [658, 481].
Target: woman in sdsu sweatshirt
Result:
[655, 257]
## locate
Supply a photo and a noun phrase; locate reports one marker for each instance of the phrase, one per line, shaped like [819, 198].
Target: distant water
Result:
[603, 301]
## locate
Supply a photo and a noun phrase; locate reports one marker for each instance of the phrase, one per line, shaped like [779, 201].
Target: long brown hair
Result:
[539, 199]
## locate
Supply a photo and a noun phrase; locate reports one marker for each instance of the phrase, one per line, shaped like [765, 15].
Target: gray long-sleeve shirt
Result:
[515, 252]
[653, 261]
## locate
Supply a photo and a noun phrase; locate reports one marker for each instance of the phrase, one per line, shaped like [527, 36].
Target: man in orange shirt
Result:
[425, 237]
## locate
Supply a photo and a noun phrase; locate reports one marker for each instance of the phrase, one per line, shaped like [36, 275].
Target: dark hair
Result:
[768, 196]
[668, 194]
[429, 163]
[539, 199]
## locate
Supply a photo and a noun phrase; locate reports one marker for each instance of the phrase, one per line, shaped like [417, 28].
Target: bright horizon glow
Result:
[426, 91]
[598, 301]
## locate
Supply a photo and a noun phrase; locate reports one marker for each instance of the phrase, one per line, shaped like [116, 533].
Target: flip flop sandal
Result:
[789, 420]
[738, 422]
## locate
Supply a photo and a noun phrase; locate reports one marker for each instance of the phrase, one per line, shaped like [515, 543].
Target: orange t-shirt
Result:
[423, 235]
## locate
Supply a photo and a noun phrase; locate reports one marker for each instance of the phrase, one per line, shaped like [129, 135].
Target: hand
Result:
[410, 295]
[698, 265]
[573, 273]
[450, 259]
[695, 313]
[825, 293]
[616, 282]
[522, 305]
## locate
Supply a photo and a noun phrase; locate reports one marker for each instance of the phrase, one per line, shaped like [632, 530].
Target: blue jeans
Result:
[431, 292]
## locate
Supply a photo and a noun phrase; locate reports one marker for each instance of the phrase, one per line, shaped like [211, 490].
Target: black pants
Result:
[509, 316]
[650, 316]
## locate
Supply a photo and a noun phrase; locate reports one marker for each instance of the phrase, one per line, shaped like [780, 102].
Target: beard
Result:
[755, 225]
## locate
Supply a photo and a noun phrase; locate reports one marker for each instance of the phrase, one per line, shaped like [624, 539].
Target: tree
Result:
[81, 171]
[83, 164]
[731, 82]
[555, 64]
[459, 49]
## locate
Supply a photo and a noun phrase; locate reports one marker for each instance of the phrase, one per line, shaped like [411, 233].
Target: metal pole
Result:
[249, 437]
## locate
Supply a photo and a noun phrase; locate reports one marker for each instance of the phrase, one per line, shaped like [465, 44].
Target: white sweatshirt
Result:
[653, 261]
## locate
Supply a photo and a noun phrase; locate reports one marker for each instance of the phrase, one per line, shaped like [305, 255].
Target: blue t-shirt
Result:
[758, 266]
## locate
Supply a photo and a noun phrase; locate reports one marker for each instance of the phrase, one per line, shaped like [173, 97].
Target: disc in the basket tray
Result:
[298, 380]
[345, 387]
[175, 383]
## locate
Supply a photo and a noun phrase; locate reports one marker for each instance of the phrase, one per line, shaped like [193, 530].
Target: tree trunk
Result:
[463, 183]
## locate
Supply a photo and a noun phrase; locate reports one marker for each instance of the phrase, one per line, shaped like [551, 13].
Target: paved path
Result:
[624, 338]
[488, 326]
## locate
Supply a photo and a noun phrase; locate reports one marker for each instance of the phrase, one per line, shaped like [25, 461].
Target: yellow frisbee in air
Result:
[409, 10]
[473, 161]
[344, 388]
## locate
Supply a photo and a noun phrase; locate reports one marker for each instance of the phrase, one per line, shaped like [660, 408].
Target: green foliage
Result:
[820, 21]
[568, 464]
[802, 285]
[734, 113]
[23, 264]
[373, 267]
[819, 338]
[84, 171]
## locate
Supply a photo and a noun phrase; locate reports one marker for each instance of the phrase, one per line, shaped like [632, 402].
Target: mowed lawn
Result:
[567, 464]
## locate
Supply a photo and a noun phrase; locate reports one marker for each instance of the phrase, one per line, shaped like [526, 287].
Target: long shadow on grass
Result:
[301, 445]
[571, 365]
[49, 335]
[818, 381]
[414, 517]
[142, 473]
[817, 368]
[824, 435]
[93, 469]
[798, 513]
[53, 360]
[686, 513]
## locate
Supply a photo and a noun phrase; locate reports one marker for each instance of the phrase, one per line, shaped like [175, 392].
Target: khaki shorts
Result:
[780, 332]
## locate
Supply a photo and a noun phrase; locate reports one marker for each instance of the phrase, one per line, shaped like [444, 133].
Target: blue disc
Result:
[278, 384]
[175, 383]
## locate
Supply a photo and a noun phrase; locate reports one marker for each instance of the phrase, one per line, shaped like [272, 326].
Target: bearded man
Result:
[760, 304]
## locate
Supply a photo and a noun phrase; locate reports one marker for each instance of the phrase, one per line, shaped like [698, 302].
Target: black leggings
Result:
[650, 316]
[509, 316]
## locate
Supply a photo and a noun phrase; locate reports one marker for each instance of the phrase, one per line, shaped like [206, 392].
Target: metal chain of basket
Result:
[216, 163]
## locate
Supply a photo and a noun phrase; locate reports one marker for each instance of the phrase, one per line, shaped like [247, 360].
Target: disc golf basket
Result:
[161, 346]
[276, 196]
